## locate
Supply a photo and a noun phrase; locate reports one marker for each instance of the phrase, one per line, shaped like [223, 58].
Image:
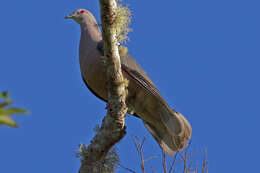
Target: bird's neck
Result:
[90, 32]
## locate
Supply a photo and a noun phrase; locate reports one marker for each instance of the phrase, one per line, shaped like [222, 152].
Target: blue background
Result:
[203, 56]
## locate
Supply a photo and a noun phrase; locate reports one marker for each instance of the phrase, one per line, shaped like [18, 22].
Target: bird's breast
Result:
[92, 69]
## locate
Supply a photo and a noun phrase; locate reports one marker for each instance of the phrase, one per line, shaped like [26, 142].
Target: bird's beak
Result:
[70, 16]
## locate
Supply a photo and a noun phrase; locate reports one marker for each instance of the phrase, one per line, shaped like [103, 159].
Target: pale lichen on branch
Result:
[122, 22]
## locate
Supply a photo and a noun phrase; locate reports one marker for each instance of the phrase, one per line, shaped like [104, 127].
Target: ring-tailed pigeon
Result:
[170, 129]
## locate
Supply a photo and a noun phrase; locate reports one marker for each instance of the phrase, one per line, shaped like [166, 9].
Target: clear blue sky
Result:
[203, 56]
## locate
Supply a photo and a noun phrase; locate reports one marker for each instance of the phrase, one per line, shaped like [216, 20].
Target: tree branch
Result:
[113, 124]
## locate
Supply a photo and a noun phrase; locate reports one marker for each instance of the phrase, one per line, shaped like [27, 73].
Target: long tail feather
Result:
[172, 132]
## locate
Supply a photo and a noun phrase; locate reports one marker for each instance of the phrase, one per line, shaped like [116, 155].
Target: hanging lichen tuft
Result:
[122, 21]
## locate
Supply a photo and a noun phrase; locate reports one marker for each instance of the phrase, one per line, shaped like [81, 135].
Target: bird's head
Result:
[80, 15]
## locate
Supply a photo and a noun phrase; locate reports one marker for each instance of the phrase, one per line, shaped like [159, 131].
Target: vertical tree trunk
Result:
[113, 124]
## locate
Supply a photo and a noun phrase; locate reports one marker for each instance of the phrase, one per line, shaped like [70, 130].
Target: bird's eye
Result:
[82, 11]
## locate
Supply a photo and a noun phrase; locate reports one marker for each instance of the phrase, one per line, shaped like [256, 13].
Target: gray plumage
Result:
[170, 129]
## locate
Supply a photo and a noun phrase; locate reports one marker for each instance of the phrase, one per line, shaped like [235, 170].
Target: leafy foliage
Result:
[6, 110]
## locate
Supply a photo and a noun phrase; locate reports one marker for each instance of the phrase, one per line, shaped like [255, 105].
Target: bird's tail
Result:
[172, 131]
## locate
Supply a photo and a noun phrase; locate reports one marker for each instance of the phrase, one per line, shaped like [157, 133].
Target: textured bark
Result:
[113, 124]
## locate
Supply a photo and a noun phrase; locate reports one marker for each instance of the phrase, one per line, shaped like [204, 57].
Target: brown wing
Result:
[130, 66]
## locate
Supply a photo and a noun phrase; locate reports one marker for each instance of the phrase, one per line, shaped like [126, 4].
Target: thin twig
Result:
[173, 162]
[164, 162]
[204, 160]
[207, 167]
[150, 158]
[189, 168]
[185, 159]
[128, 169]
[152, 169]
[139, 148]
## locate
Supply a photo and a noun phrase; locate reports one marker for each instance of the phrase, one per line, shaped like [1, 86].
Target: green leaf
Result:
[6, 120]
[4, 104]
[12, 111]
[4, 95]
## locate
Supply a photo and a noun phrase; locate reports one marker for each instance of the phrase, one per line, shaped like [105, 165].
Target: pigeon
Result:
[169, 128]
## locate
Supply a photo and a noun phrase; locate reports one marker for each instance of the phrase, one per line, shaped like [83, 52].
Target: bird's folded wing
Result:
[129, 66]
